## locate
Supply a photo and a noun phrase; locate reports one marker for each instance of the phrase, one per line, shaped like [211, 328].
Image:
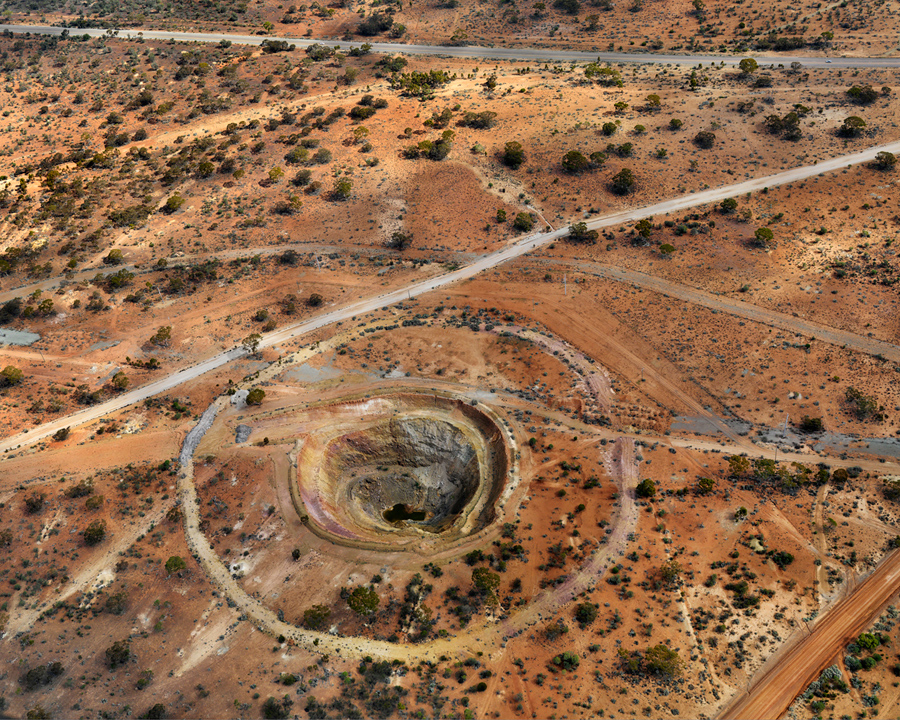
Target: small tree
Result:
[705, 139]
[363, 600]
[34, 503]
[10, 375]
[705, 486]
[114, 257]
[155, 712]
[661, 660]
[728, 205]
[314, 618]
[811, 424]
[486, 582]
[342, 189]
[302, 178]
[120, 381]
[162, 336]
[585, 613]
[852, 127]
[575, 163]
[763, 237]
[644, 228]
[646, 488]
[173, 204]
[251, 343]
[623, 182]
[578, 232]
[117, 603]
[863, 94]
[885, 160]
[524, 222]
[748, 66]
[255, 396]
[864, 407]
[653, 102]
[95, 532]
[567, 661]
[118, 653]
[277, 709]
[670, 573]
[675, 124]
[175, 565]
[513, 154]
[399, 240]
[315, 300]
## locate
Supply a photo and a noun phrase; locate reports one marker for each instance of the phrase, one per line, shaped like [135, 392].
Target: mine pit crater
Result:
[400, 468]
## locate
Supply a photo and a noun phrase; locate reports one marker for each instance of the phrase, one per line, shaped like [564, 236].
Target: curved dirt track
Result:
[797, 666]
[483, 636]
[485, 262]
[474, 51]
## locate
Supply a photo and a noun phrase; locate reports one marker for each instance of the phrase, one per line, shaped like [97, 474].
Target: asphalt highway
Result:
[484, 53]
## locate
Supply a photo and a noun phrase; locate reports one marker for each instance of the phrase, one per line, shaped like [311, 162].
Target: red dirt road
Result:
[776, 689]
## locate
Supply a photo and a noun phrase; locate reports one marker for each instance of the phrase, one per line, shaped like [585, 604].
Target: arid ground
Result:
[625, 474]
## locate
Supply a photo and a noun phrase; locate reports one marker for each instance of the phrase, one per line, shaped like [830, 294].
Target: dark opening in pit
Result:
[400, 512]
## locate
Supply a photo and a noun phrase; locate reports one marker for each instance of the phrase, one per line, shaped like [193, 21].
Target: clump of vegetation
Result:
[513, 154]
[623, 182]
[811, 424]
[41, 676]
[95, 532]
[118, 654]
[579, 233]
[863, 407]
[34, 503]
[363, 600]
[659, 660]
[585, 614]
[277, 709]
[175, 564]
[645, 488]
[567, 661]
[314, 618]
[420, 84]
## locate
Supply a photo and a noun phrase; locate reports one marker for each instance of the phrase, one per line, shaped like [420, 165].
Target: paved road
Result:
[486, 262]
[796, 668]
[485, 53]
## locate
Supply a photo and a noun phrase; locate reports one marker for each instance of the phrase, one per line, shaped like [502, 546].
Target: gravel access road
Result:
[485, 262]
[476, 52]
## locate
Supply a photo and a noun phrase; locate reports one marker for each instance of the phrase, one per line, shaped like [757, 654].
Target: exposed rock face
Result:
[242, 433]
[421, 464]
[401, 466]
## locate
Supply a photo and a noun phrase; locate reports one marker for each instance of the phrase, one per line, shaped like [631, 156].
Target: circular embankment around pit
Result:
[400, 471]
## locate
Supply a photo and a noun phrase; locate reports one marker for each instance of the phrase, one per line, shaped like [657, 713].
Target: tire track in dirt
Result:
[739, 308]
